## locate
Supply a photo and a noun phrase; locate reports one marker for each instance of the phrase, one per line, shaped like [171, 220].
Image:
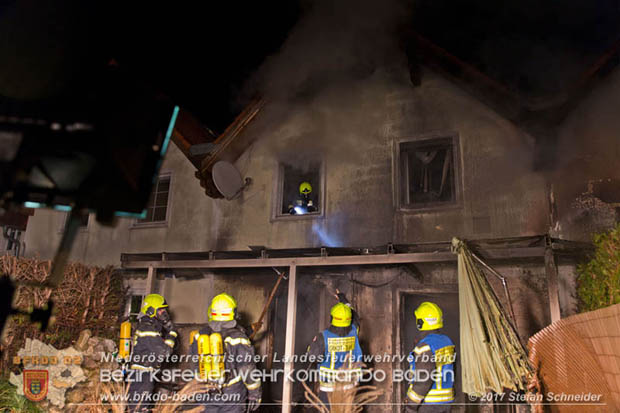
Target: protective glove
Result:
[253, 404]
[342, 298]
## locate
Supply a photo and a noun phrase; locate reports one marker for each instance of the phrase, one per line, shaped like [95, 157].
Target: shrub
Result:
[10, 401]
[598, 281]
[88, 297]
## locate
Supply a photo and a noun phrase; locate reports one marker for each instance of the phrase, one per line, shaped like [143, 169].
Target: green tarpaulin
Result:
[492, 357]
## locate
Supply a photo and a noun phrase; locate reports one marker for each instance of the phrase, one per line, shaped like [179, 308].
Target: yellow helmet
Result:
[209, 316]
[428, 316]
[223, 307]
[152, 303]
[341, 315]
[305, 188]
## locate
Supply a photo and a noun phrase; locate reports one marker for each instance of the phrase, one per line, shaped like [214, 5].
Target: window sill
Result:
[159, 224]
[297, 217]
[430, 208]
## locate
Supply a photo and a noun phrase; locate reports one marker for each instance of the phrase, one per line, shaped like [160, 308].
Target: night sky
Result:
[202, 53]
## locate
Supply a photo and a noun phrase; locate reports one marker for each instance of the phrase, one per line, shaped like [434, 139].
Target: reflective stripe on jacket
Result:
[150, 346]
[338, 351]
[440, 349]
[239, 357]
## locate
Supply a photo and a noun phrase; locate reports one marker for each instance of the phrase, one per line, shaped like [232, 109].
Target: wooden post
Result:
[150, 281]
[289, 347]
[552, 284]
[322, 304]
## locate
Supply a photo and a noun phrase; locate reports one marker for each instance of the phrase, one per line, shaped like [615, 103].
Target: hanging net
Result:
[492, 356]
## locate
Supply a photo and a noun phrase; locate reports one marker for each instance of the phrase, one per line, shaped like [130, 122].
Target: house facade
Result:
[390, 164]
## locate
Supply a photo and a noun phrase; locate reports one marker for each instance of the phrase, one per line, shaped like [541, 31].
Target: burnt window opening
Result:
[300, 190]
[157, 207]
[428, 173]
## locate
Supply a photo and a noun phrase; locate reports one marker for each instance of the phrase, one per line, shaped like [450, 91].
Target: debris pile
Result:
[88, 298]
[73, 372]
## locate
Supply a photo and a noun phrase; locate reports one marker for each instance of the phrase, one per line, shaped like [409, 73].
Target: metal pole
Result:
[504, 284]
[57, 272]
[289, 348]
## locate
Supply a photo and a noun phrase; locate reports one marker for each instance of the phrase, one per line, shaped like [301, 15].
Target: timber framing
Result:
[533, 247]
[541, 248]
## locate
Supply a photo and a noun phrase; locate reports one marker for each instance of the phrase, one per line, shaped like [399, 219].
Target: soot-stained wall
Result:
[353, 129]
[377, 293]
[586, 176]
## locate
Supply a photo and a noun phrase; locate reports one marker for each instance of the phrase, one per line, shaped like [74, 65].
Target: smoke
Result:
[327, 100]
[333, 43]
[587, 178]
[319, 84]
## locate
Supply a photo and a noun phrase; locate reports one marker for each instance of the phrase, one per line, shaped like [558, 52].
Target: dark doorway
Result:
[308, 314]
[449, 304]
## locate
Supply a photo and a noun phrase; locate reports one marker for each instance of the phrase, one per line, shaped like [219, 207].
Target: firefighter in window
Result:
[153, 341]
[225, 361]
[304, 203]
[337, 351]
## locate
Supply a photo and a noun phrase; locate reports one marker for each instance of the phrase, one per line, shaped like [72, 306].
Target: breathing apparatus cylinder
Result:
[205, 360]
[124, 348]
[192, 336]
[217, 350]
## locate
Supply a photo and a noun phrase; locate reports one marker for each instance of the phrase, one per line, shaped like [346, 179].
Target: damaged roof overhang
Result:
[451, 38]
[203, 149]
[539, 116]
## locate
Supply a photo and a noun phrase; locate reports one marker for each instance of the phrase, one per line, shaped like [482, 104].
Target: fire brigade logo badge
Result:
[35, 384]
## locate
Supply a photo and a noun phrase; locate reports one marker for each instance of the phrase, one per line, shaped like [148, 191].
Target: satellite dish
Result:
[227, 179]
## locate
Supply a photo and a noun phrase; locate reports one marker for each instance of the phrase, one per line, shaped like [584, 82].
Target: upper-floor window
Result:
[157, 207]
[299, 191]
[428, 172]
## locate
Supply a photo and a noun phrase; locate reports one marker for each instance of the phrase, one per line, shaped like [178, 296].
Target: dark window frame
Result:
[399, 182]
[278, 196]
[163, 223]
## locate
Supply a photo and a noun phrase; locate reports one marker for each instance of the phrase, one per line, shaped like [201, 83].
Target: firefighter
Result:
[303, 204]
[233, 385]
[337, 349]
[153, 341]
[432, 364]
